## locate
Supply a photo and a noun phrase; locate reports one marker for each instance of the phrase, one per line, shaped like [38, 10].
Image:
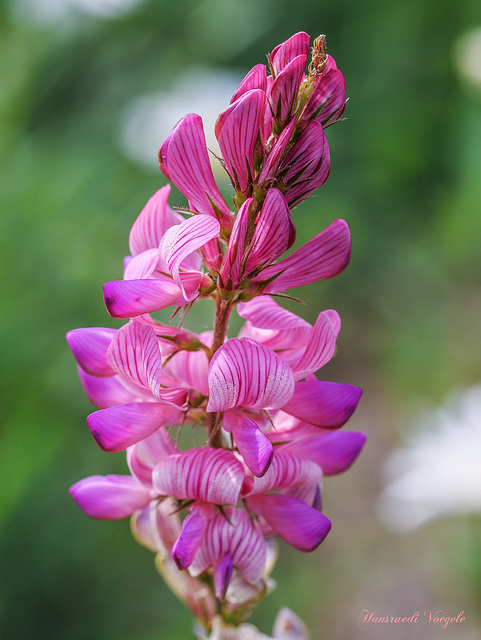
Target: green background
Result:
[405, 173]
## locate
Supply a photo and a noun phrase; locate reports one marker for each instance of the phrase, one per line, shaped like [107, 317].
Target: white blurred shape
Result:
[438, 472]
[468, 56]
[148, 120]
[56, 11]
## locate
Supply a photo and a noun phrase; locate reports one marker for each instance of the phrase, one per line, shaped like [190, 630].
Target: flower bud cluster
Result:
[211, 513]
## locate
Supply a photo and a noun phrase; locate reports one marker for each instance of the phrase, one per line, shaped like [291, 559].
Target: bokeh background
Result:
[88, 90]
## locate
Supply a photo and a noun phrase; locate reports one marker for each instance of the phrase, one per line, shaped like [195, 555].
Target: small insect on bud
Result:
[319, 57]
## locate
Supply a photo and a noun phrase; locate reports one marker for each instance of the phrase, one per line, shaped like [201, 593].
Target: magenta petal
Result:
[223, 570]
[110, 497]
[237, 129]
[187, 544]
[154, 220]
[143, 456]
[327, 100]
[135, 354]
[323, 404]
[283, 93]
[252, 444]
[275, 231]
[130, 298]
[117, 428]
[321, 345]
[213, 475]
[333, 452]
[245, 373]
[326, 255]
[184, 160]
[264, 313]
[286, 470]
[105, 392]
[288, 50]
[298, 524]
[271, 165]
[183, 239]
[89, 348]
[255, 79]
[232, 268]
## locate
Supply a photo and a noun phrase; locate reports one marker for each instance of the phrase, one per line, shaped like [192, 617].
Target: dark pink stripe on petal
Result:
[255, 79]
[321, 344]
[288, 50]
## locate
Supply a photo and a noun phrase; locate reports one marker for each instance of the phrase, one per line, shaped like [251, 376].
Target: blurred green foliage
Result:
[405, 174]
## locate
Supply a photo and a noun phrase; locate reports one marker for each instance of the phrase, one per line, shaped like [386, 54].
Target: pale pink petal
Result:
[184, 160]
[333, 452]
[148, 452]
[232, 268]
[326, 255]
[288, 50]
[134, 353]
[213, 475]
[265, 313]
[154, 220]
[143, 265]
[130, 298]
[324, 404]
[183, 239]
[321, 345]
[255, 79]
[110, 497]
[141, 527]
[286, 470]
[89, 348]
[275, 231]
[254, 447]
[117, 428]
[298, 524]
[223, 570]
[105, 392]
[283, 93]
[237, 129]
[288, 626]
[187, 544]
[190, 368]
[245, 373]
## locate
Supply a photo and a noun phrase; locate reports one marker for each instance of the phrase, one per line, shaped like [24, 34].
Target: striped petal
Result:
[232, 268]
[294, 46]
[130, 298]
[326, 255]
[110, 497]
[298, 524]
[255, 79]
[89, 348]
[253, 445]
[283, 93]
[186, 545]
[134, 353]
[286, 470]
[323, 404]
[223, 570]
[321, 344]
[327, 100]
[117, 428]
[272, 162]
[213, 475]
[143, 265]
[333, 452]
[183, 159]
[154, 220]
[183, 239]
[245, 373]
[236, 130]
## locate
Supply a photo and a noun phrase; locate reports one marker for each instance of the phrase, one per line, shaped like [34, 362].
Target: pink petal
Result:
[105, 392]
[232, 269]
[271, 165]
[117, 428]
[183, 239]
[333, 452]
[265, 313]
[213, 475]
[134, 353]
[186, 545]
[183, 159]
[143, 265]
[147, 453]
[236, 535]
[327, 100]
[298, 524]
[245, 373]
[89, 347]
[288, 50]
[154, 220]
[190, 368]
[326, 255]
[283, 93]
[286, 470]
[130, 298]
[255, 79]
[110, 497]
[324, 404]
[223, 570]
[254, 447]
[321, 345]
[275, 231]
[237, 129]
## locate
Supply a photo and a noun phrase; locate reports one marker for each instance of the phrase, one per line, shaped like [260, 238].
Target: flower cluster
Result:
[271, 427]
